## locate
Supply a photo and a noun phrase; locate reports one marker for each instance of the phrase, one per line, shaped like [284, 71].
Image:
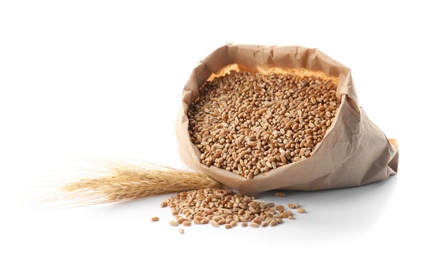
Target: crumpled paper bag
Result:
[353, 152]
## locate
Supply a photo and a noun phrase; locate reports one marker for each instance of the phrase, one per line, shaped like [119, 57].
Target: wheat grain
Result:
[301, 210]
[280, 194]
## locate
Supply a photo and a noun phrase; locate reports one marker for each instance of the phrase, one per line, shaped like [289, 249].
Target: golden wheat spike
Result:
[138, 180]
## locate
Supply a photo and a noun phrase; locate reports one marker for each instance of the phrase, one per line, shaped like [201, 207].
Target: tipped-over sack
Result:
[353, 152]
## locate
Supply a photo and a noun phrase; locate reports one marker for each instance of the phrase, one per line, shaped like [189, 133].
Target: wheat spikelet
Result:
[137, 180]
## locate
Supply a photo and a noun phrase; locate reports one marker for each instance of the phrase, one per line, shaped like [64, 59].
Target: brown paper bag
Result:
[353, 152]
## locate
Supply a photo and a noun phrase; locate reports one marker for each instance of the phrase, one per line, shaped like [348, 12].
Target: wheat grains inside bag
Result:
[286, 117]
[250, 122]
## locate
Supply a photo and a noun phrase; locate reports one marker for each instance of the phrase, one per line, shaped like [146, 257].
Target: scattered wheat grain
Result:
[301, 210]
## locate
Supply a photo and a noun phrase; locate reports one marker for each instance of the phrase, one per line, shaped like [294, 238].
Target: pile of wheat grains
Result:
[223, 207]
[249, 123]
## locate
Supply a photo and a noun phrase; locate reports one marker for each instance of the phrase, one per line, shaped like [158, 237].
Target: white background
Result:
[104, 78]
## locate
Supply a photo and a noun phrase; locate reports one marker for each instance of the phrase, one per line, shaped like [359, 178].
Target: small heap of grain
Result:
[249, 123]
[224, 207]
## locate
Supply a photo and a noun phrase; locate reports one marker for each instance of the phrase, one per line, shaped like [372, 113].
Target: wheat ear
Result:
[138, 180]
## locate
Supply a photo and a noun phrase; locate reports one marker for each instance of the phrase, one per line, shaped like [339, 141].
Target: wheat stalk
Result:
[136, 180]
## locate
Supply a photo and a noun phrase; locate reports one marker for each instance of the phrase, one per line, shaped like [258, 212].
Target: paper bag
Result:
[353, 152]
